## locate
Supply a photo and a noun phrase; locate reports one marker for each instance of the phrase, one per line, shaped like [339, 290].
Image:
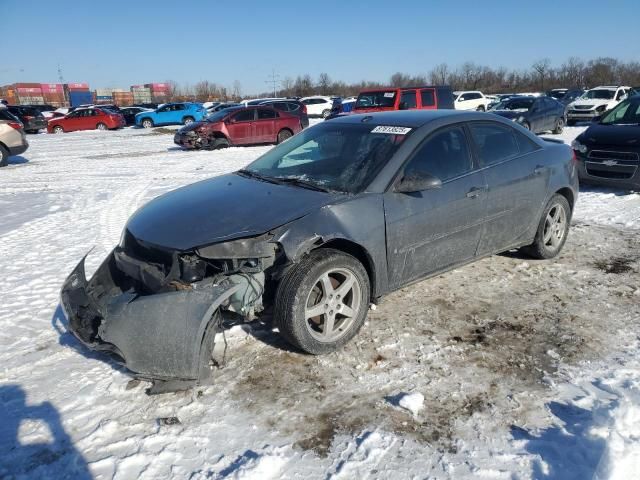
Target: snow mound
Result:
[412, 402]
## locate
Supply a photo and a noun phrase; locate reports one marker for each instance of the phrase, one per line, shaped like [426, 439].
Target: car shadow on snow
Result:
[17, 160]
[569, 451]
[60, 323]
[592, 188]
[48, 452]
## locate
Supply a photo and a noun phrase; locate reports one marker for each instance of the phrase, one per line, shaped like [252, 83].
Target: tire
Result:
[481, 108]
[553, 229]
[326, 113]
[147, 123]
[188, 120]
[220, 143]
[571, 123]
[58, 129]
[284, 135]
[559, 127]
[315, 280]
[4, 156]
[101, 126]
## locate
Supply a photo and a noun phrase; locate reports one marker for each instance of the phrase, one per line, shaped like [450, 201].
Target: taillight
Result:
[15, 125]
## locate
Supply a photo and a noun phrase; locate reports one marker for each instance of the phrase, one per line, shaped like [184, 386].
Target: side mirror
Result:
[417, 182]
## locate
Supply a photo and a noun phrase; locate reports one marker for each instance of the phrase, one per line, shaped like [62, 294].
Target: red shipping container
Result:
[28, 91]
[78, 86]
[52, 88]
[26, 85]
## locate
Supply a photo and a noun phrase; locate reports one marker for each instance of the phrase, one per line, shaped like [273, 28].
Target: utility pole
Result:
[274, 80]
[61, 80]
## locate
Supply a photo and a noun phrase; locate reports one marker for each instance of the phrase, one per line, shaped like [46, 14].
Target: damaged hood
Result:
[219, 209]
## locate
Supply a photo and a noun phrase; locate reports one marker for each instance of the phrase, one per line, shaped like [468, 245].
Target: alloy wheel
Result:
[555, 227]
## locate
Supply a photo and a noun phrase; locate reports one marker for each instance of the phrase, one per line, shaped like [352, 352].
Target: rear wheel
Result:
[552, 230]
[559, 126]
[58, 129]
[220, 143]
[322, 302]
[481, 108]
[188, 120]
[147, 123]
[284, 135]
[326, 113]
[4, 156]
[101, 126]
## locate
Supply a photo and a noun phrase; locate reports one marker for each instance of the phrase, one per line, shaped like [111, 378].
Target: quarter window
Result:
[428, 98]
[495, 143]
[444, 155]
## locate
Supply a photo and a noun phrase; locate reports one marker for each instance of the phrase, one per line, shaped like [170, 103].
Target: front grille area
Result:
[612, 155]
[618, 172]
[583, 107]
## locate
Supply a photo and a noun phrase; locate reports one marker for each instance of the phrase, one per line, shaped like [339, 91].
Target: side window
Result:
[293, 107]
[166, 108]
[178, 106]
[427, 97]
[408, 99]
[495, 142]
[444, 155]
[308, 101]
[525, 144]
[245, 115]
[266, 114]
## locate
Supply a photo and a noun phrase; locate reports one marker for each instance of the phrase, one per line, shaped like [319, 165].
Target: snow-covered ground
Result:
[535, 374]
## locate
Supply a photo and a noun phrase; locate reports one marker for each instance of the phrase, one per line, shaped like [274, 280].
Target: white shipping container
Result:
[103, 92]
[33, 100]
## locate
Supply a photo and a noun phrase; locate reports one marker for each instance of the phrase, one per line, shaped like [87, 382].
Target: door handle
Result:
[475, 192]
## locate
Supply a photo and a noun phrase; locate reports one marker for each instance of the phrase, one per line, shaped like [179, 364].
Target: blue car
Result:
[171, 114]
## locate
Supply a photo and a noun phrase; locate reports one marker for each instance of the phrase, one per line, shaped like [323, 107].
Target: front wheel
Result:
[559, 127]
[326, 113]
[284, 135]
[147, 123]
[188, 120]
[322, 302]
[58, 129]
[101, 126]
[481, 108]
[553, 229]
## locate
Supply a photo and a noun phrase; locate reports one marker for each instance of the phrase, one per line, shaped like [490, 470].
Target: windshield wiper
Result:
[251, 174]
[300, 183]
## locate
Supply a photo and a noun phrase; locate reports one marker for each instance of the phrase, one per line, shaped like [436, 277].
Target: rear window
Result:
[376, 99]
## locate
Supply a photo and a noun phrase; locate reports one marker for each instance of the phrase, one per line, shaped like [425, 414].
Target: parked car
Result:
[595, 102]
[129, 114]
[93, 118]
[538, 114]
[294, 107]
[13, 140]
[499, 98]
[222, 106]
[318, 106]
[151, 106]
[342, 105]
[42, 108]
[470, 100]
[349, 210]
[171, 114]
[258, 101]
[239, 126]
[31, 118]
[608, 151]
[386, 99]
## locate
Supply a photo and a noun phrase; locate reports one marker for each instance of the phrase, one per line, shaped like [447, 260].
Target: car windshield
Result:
[376, 99]
[219, 115]
[511, 104]
[626, 112]
[600, 94]
[331, 156]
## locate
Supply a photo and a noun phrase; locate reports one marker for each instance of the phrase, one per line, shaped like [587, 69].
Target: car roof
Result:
[409, 118]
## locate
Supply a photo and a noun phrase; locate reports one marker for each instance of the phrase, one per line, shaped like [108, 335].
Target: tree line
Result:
[541, 76]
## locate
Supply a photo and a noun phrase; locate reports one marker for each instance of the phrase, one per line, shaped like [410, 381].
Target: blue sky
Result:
[115, 43]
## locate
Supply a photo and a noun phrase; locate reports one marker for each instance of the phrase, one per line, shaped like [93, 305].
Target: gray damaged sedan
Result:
[315, 230]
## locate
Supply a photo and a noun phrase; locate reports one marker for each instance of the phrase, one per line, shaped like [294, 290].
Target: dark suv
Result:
[293, 107]
[407, 98]
[31, 117]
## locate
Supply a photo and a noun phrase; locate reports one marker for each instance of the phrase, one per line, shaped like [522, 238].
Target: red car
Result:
[407, 98]
[239, 126]
[86, 119]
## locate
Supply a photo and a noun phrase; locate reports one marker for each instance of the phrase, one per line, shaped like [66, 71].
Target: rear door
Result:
[265, 125]
[241, 127]
[431, 230]
[178, 112]
[408, 100]
[516, 180]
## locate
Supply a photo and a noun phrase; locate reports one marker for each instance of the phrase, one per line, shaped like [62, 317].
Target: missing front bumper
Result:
[157, 336]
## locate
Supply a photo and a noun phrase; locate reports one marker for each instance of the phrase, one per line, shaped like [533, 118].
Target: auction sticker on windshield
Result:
[391, 130]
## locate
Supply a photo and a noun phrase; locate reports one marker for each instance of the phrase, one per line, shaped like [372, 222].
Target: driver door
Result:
[431, 230]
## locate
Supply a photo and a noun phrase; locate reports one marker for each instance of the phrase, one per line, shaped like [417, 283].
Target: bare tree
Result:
[541, 67]
[440, 74]
[287, 86]
[323, 83]
[237, 90]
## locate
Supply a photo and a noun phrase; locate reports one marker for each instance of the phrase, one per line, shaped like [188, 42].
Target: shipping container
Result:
[77, 86]
[104, 97]
[29, 91]
[51, 88]
[101, 92]
[26, 85]
[79, 98]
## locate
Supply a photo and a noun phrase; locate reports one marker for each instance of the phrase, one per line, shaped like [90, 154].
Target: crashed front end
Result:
[158, 310]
